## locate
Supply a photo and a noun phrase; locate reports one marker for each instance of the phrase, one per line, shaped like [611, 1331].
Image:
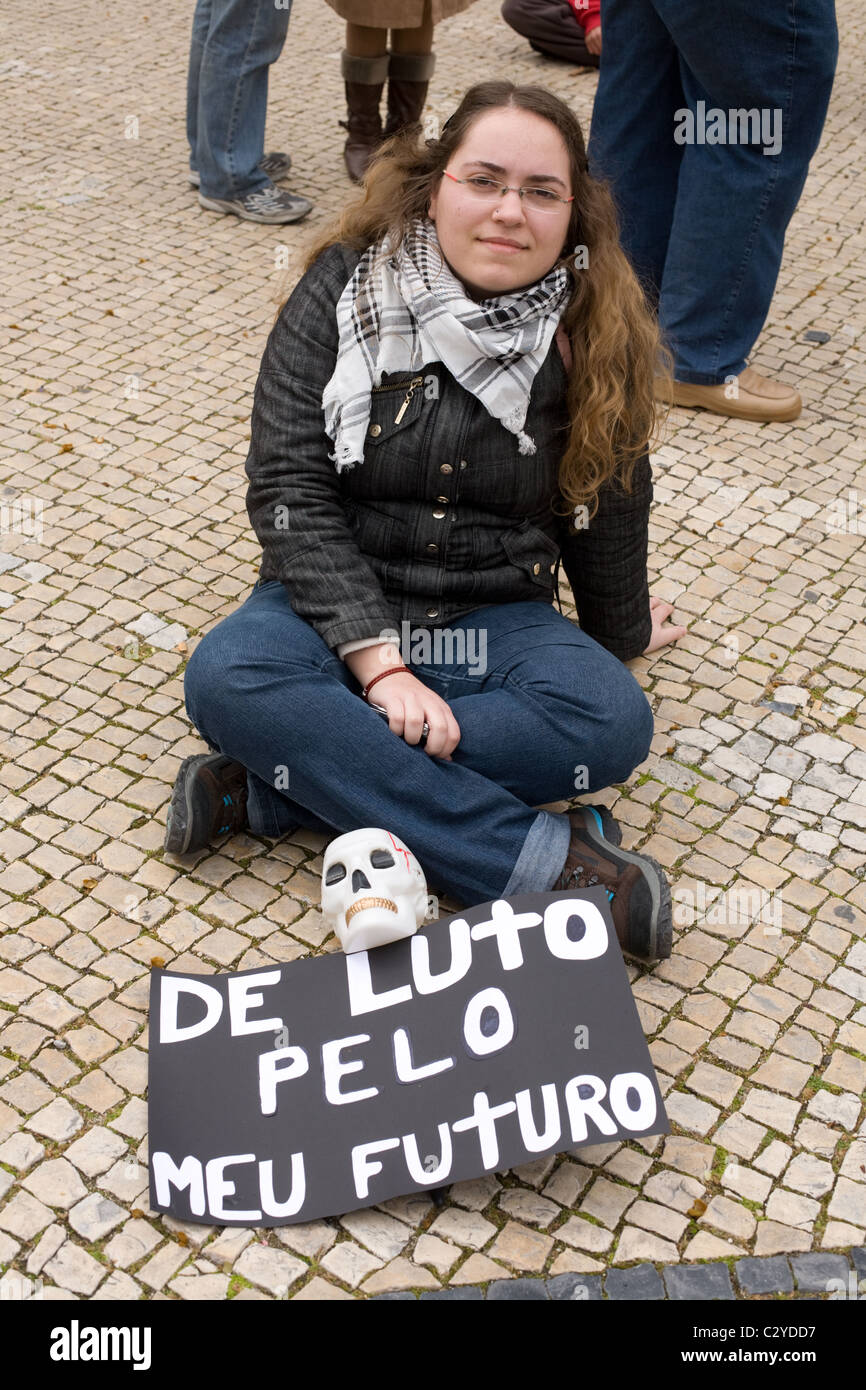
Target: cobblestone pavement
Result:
[135, 326]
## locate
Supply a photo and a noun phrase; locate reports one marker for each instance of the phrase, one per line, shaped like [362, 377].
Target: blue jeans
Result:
[233, 44]
[263, 688]
[704, 224]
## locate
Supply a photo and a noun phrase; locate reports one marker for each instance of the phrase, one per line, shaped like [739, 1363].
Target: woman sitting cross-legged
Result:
[457, 393]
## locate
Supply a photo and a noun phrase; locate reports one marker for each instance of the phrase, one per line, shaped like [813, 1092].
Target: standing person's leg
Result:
[200, 28]
[735, 200]
[410, 67]
[364, 65]
[243, 39]
[631, 137]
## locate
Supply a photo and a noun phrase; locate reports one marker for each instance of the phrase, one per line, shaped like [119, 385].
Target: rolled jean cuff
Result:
[543, 856]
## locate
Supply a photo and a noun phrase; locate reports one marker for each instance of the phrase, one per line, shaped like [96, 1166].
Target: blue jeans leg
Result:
[631, 144]
[264, 689]
[732, 202]
[233, 44]
[200, 26]
[544, 711]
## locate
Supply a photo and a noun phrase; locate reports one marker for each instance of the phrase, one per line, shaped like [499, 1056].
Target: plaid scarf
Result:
[400, 311]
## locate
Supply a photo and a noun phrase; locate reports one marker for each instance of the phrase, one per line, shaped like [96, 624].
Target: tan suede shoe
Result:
[750, 397]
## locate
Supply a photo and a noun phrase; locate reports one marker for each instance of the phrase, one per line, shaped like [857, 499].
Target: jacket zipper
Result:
[413, 386]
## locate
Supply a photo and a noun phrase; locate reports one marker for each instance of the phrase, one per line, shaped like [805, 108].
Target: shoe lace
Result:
[265, 201]
[581, 877]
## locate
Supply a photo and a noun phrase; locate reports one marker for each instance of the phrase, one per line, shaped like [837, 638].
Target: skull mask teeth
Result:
[373, 889]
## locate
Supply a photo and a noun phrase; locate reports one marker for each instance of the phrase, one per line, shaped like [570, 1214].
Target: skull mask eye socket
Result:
[381, 859]
[335, 873]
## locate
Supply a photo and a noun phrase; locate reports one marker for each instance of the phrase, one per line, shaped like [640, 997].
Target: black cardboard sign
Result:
[304, 1090]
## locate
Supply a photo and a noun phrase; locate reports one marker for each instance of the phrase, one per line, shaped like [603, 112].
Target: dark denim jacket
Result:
[444, 515]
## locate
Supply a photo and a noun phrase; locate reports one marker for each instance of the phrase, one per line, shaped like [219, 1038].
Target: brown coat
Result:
[395, 14]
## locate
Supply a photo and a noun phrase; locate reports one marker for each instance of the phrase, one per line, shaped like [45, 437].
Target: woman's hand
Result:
[409, 703]
[661, 635]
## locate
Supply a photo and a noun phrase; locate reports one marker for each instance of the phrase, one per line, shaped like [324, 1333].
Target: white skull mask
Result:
[373, 889]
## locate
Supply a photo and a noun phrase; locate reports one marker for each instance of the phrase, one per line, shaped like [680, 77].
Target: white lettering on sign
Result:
[506, 925]
[241, 1000]
[171, 988]
[536, 1143]
[590, 939]
[405, 1067]
[365, 1167]
[283, 1064]
[219, 1187]
[334, 1068]
[189, 1175]
[362, 999]
[482, 1034]
[461, 959]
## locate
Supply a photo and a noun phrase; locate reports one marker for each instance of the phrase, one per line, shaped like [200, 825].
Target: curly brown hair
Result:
[615, 346]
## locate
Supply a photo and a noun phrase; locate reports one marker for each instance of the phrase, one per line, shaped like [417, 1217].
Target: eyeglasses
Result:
[487, 190]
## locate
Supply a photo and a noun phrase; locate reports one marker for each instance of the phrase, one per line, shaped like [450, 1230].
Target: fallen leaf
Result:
[89, 883]
[783, 800]
[697, 1208]
[182, 1238]
[66, 448]
[136, 1211]
[158, 961]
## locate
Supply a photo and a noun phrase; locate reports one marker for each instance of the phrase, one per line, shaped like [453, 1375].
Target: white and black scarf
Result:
[400, 311]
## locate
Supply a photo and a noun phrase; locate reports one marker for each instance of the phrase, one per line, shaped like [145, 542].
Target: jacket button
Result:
[441, 499]
[553, 569]
[438, 513]
[375, 430]
[432, 546]
[463, 463]
[536, 569]
[446, 468]
[432, 612]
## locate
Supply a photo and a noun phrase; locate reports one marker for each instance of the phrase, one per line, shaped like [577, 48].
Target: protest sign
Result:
[493, 1036]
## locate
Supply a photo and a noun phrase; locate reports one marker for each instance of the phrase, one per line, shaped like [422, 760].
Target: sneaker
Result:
[749, 396]
[268, 204]
[636, 887]
[275, 164]
[209, 801]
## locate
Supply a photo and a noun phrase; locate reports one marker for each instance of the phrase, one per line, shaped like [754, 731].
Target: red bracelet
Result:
[392, 671]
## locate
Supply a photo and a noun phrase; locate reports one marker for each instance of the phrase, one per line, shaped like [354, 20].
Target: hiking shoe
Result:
[209, 801]
[275, 164]
[637, 890]
[268, 204]
[597, 820]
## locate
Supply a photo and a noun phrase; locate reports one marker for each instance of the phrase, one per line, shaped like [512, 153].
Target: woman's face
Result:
[502, 245]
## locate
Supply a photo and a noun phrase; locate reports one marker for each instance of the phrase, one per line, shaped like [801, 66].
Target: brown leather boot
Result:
[637, 890]
[408, 79]
[365, 80]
